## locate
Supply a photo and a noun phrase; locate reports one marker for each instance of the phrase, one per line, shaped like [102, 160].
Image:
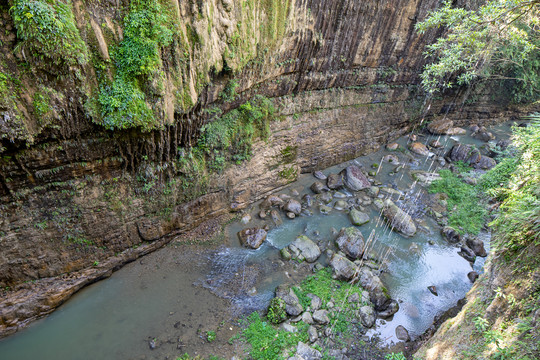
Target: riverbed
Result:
[167, 303]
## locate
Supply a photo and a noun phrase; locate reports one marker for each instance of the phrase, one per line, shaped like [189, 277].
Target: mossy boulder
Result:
[358, 218]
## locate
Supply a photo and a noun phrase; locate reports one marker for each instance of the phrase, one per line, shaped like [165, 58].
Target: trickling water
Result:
[163, 298]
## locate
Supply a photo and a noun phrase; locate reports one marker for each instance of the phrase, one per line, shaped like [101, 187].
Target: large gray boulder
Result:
[344, 269]
[471, 155]
[378, 294]
[358, 218]
[334, 181]
[321, 317]
[399, 220]
[318, 187]
[367, 316]
[306, 352]
[402, 333]
[451, 235]
[477, 246]
[351, 241]
[440, 127]
[419, 148]
[391, 309]
[252, 237]
[293, 206]
[292, 303]
[354, 178]
[308, 249]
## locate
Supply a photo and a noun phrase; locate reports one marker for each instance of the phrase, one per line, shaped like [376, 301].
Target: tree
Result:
[498, 40]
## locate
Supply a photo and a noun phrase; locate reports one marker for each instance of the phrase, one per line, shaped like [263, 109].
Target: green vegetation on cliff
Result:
[123, 103]
[47, 32]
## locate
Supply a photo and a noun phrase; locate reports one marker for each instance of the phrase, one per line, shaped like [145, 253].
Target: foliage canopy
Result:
[498, 40]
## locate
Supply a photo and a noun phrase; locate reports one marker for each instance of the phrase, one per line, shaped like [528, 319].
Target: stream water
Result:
[175, 295]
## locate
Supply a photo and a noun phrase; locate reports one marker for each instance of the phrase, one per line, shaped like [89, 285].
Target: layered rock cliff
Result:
[101, 152]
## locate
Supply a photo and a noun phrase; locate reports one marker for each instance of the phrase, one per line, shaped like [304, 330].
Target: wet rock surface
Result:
[252, 237]
[351, 241]
[399, 220]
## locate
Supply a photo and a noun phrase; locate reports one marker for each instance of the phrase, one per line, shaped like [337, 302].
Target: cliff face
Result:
[97, 163]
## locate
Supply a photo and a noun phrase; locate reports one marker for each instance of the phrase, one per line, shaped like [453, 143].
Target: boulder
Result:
[289, 328]
[425, 178]
[473, 275]
[308, 249]
[464, 152]
[252, 237]
[433, 290]
[325, 209]
[307, 201]
[354, 178]
[285, 254]
[292, 304]
[334, 181]
[276, 218]
[312, 333]
[470, 155]
[467, 254]
[440, 127]
[378, 294]
[271, 200]
[484, 135]
[293, 206]
[373, 191]
[307, 318]
[419, 148]
[485, 163]
[316, 302]
[450, 234]
[305, 352]
[321, 317]
[367, 316]
[318, 187]
[435, 144]
[392, 146]
[351, 241]
[325, 197]
[456, 131]
[477, 246]
[391, 309]
[341, 205]
[344, 269]
[358, 218]
[319, 175]
[399, 220]
[402, 333]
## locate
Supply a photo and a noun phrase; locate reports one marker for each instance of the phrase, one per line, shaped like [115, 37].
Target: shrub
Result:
[123, 105]
[276, 311]
[519, 220]
[47, 29]
[230, 137]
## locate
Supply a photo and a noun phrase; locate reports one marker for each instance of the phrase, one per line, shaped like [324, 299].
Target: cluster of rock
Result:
[350, 190]
[469, 154]
[318, 313]
[470, 247]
